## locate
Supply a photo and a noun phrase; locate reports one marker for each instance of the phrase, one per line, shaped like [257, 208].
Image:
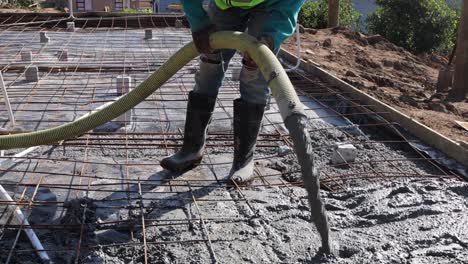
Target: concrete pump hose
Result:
[290, 107]
[270, 67]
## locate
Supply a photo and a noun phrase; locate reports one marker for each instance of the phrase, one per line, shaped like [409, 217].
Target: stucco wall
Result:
[99, 5]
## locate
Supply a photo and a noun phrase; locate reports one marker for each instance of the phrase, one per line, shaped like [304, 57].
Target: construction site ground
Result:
[388, 72]
[103, 197]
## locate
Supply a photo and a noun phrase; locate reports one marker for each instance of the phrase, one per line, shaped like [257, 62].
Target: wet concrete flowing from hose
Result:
[297, 126]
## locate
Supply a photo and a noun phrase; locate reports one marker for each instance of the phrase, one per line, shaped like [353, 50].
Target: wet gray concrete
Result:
[397, 208]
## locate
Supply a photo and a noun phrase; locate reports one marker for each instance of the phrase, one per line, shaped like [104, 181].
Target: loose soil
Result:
[388, 72]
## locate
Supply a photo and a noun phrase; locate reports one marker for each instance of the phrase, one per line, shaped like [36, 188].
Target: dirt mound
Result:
[388, 72]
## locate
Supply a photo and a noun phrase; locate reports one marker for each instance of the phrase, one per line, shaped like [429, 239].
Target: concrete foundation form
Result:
[104, 198]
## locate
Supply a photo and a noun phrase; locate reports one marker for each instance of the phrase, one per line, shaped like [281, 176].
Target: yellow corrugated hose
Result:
[281, 87]
[290, 107]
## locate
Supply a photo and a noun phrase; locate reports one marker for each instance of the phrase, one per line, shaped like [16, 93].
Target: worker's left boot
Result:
[247, 122]
[199, 111]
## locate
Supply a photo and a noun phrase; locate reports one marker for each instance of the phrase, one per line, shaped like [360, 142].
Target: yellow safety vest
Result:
[225, 4]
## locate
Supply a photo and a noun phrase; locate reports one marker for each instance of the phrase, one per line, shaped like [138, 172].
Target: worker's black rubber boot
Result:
[199, 111]
[247, 122]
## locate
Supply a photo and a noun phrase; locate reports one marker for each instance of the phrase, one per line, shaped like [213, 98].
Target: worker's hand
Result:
[247, 60]
[201, 39]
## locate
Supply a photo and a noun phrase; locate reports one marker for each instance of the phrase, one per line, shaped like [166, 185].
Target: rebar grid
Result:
[103, 181]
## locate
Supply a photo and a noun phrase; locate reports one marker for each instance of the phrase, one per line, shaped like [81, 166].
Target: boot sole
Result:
[183, 168]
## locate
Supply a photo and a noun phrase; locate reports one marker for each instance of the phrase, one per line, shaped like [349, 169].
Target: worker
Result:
[271, 22]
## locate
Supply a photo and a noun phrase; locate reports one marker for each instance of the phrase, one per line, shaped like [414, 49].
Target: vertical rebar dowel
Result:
[7, 101]
[333, 13]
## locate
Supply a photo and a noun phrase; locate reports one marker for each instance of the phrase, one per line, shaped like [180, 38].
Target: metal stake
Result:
[7, 101]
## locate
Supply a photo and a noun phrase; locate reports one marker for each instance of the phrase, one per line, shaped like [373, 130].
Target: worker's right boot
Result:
[199, 111]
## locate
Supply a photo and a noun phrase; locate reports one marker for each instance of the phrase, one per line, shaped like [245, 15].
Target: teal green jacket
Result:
[279, 26]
